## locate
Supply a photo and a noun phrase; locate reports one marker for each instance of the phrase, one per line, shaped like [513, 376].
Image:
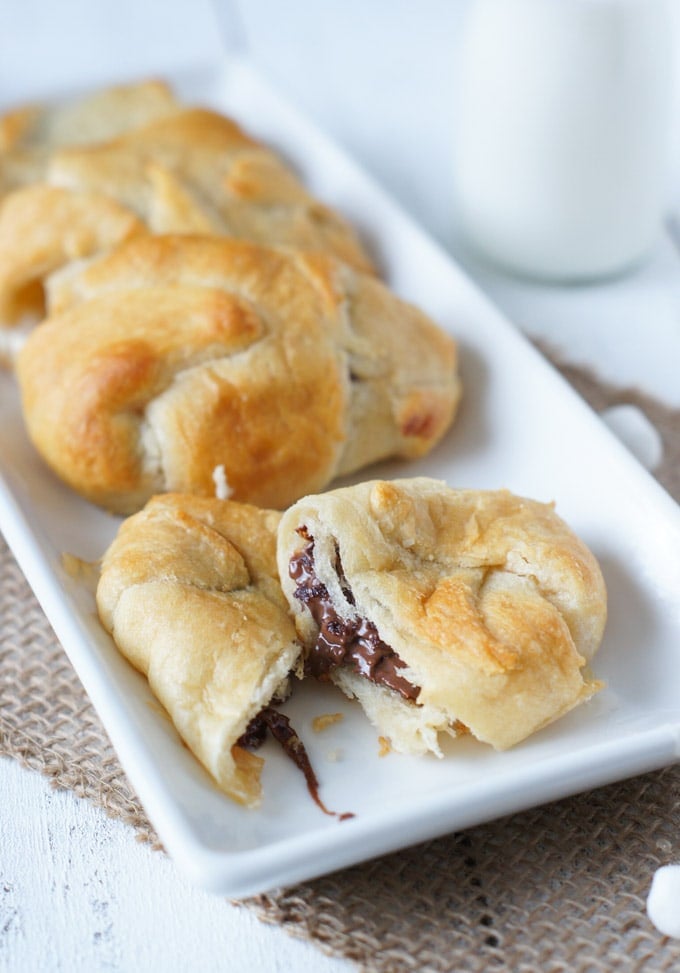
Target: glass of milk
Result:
[562, 133]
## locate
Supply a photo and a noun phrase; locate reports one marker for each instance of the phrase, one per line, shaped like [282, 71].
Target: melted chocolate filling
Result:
[280, 728]
[355, 642]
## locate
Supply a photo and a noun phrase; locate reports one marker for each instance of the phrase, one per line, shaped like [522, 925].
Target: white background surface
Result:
[77, 892]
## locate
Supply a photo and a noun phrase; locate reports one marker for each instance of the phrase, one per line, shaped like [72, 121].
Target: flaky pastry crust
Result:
[190, 594]
[167, 170]
[31, 133]
[221, 174]
[44, 227]
[489, 599]
[176, 355]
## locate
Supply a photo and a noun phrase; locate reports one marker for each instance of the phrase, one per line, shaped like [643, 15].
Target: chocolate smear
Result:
[353, 642]
[280, 728]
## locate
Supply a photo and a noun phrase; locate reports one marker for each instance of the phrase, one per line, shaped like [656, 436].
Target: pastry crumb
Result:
[222, 489]
[385, 746]
[320, 723]
[334, 756]
[85, 572]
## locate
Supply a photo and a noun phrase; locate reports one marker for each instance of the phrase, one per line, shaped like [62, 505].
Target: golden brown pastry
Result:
[189, 171]
[189, 591]
[42, 228]
[240, 187]
[443, 610]
[30, 133]
[178, 355]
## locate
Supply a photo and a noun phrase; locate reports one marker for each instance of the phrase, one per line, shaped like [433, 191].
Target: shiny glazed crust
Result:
[176, 355]
[189, 592]
[491, 601]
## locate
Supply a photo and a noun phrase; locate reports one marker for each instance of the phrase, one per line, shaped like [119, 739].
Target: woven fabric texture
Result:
[560, 888]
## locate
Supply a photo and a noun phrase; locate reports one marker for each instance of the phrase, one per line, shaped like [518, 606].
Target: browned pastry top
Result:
[189, 592]
[489, 600]
[177, 355]
[79, 179]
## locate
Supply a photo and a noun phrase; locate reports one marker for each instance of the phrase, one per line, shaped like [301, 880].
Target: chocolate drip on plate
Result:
[280, 728]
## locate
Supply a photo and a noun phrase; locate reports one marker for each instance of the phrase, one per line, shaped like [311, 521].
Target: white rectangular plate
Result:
[520, 427]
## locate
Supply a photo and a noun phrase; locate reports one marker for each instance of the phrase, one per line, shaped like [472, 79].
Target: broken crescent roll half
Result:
[190, 594]
[443, 610]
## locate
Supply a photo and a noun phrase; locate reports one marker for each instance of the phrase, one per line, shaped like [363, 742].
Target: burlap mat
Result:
[560, 888]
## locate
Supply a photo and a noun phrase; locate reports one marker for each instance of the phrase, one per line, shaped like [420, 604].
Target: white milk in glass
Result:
[562, 132]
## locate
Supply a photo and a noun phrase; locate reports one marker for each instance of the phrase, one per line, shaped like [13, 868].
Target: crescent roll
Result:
[241, 187]
[190, 594]
[443, 610]
[44, 227]
[190, 171]
[178, 355]
[30, 133]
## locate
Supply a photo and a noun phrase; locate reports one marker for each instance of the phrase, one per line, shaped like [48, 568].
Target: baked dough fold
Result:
[197, 163]
[490, 602]
[133, 157]
[189, 591]
[177, 355]
[31, 133]
[43, 228]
